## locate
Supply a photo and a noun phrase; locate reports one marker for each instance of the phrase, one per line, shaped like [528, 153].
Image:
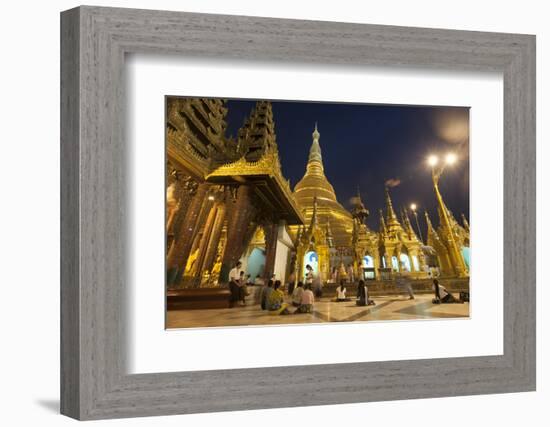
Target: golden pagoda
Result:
[318, 239]
[399, 247]
[315, 186]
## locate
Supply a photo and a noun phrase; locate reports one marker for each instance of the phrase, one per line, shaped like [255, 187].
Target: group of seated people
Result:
[272, 298]
[362, 297]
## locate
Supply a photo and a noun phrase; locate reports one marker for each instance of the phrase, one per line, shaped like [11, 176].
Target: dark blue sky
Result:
[366, 145]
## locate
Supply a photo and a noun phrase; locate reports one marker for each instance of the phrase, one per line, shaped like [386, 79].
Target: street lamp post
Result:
[456, 256]
[413, 209]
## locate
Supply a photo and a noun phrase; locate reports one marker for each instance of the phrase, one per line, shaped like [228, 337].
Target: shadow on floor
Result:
[51, 405]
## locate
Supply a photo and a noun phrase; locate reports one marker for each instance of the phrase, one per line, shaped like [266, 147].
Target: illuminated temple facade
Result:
[227, 201]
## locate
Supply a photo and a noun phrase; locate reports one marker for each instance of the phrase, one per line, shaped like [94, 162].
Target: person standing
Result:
[362, 294]
[265, 294]
[309, 275]
[318, 285]
[334, 275]
[242, 288]
[351, 274]
[404, 283]
[234, 287]
[291, 284]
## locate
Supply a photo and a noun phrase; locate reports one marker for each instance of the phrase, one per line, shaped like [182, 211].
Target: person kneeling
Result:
[275, 300]
[442, 296]
[306, 305]
[363, 294]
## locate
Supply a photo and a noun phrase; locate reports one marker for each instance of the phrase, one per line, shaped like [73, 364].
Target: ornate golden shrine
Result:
[219, 191]
[315, 238]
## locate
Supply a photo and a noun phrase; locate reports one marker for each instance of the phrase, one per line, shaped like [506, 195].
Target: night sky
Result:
[368, 145]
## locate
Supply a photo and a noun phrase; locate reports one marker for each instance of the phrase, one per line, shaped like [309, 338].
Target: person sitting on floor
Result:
[265, 293]
[242, 288]
[363, 294]
[276, 300]
[258, 281]
[341, 292]
[297, 295]
[308, 299]
[442, 295]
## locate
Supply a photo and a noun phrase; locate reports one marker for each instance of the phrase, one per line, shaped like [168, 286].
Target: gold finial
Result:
[382, 222]
[316, 133]
[389, 206]
[428, 221]
[465, 222]
[315, 151]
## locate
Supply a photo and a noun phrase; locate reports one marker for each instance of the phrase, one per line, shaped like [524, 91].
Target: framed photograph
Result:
[261, 213]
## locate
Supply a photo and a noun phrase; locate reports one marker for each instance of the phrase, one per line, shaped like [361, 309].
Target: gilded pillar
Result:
[271, 232]
[240, 215]
[214, 239]
[190, 226]
[203, 245]
[458, 264]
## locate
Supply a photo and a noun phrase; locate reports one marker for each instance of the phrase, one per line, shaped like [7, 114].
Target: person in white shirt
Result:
[341, 292]
[309, 274]
[297, 295]
[308, 299]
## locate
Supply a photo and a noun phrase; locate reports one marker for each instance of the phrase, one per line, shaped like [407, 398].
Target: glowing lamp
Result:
[450, 158]
[432, 160]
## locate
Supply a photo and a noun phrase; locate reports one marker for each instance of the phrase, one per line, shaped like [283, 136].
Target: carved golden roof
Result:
[267, 170]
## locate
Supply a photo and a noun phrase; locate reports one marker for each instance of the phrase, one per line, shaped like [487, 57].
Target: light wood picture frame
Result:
[94, 380]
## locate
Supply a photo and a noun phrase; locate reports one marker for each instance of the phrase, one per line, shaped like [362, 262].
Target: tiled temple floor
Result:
[387, 308]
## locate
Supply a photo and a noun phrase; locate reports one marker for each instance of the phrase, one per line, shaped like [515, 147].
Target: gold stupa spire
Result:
[393, 225]
[465, 223]
[315, 159]
[390, 213]
[313, 223]
[315, 186]
[408, 225]
[383, 229]
[432, 234]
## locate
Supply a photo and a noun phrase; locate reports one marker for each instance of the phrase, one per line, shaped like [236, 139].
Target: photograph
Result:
[295, 212]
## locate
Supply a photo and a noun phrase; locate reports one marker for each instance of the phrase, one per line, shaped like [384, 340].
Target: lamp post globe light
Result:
[438, 166]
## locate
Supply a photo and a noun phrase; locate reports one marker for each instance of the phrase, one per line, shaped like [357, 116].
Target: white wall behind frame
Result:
[30, 382]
